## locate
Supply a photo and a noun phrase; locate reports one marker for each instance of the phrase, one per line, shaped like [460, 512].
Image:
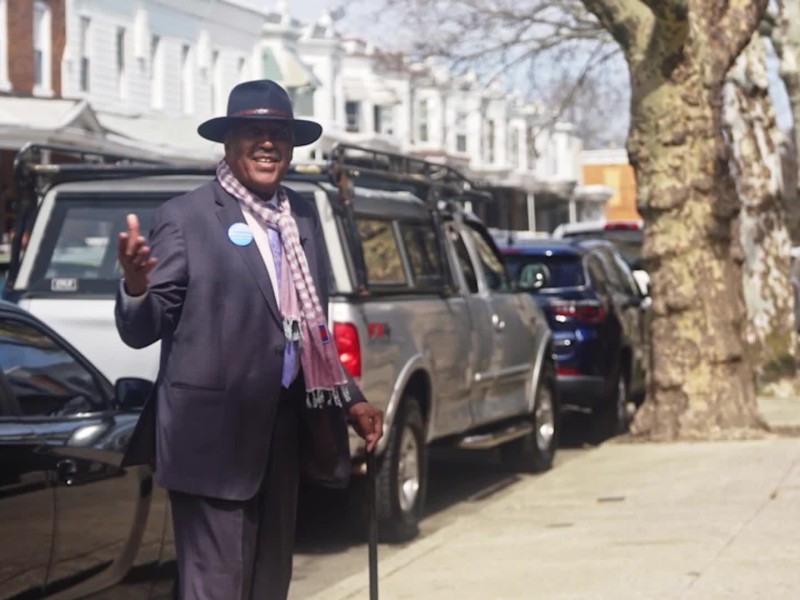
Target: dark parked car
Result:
[73, 521]
[598, 318]
[626, 235]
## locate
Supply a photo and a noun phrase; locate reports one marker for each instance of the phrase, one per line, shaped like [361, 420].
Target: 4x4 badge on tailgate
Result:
[64, 284]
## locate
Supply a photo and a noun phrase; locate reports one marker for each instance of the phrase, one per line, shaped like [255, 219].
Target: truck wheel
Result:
[402, 475]
[612, 417]
[535, 452]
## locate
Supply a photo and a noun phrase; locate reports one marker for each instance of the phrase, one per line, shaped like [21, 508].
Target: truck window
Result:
[464, 260]
[381, 253]
[493, 267]
[78, 250]
[423, 253]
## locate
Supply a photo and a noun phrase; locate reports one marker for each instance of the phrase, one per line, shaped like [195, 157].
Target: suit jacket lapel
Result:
[229, 212]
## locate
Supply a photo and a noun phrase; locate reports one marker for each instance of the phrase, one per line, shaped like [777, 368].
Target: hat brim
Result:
[305, 132]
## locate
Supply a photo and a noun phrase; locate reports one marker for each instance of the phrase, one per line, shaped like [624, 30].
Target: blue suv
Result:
[599, 321]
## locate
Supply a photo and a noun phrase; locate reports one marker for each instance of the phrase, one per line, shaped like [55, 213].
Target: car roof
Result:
[592, 244]
[597, 225]
[10, 307]
[548, 247]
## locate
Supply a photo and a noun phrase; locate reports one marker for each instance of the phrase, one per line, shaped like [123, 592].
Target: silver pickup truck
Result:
[422, 310]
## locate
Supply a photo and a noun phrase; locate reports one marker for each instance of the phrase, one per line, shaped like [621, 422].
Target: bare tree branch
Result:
[623, 19]
[734, 27]
[670, 10]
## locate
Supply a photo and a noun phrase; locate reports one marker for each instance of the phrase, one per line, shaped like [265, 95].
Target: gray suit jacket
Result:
[208, 426]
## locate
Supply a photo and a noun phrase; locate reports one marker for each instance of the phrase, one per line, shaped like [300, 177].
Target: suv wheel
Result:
[402, 475]
[535, 452]
[613, 417]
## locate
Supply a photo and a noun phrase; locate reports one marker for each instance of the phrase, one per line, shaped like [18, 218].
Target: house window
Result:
[156, 73]
[121, 79]
[422, 120]
[513, 147]
[85, 50]
[490, 142]
[187, 80]
[353, 116]
[42, 37]
[216, 83]
[530, 138]
[461, 132]
[4, 83]
[241, 69]
[383, 119]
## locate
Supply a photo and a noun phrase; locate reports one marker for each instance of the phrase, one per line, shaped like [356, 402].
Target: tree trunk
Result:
[770, 338]
[700, 382]
[789, 32]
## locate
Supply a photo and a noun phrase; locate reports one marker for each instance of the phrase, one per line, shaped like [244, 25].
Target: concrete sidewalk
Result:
[700, 520]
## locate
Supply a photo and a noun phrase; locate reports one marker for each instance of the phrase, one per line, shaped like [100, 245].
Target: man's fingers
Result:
[134, 233]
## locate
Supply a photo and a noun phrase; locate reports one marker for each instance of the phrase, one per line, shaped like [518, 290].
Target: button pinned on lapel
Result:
[240, 234]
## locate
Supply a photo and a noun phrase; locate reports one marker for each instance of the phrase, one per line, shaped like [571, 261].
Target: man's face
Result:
[259, 153]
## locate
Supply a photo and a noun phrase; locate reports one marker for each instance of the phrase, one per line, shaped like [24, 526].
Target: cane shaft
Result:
[373, 527]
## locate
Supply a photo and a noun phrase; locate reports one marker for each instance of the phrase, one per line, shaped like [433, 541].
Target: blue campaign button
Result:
[240, 234]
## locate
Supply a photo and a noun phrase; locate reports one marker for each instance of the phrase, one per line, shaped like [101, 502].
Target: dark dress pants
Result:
[231, 550]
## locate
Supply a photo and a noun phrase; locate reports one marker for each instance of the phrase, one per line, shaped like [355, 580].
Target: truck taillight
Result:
[349, 346]
[589, 311]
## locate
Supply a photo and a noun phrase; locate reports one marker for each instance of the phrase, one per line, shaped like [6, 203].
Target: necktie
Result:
[290, 353]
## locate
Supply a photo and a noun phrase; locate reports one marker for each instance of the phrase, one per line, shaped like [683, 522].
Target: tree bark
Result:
[770, 338]
[701, 384]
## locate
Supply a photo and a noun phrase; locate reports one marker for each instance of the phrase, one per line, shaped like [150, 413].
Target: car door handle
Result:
[498, 323]
[66, 469]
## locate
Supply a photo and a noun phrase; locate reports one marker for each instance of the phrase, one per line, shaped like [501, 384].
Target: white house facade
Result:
[143, 74]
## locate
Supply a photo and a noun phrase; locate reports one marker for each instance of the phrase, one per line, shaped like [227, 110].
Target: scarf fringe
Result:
[320, 398]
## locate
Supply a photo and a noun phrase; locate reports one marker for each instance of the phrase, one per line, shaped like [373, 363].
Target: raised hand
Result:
[134, 258]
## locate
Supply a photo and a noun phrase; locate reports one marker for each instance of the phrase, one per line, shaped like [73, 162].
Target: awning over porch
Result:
[61, 122]
[174, 138]
[283, 65]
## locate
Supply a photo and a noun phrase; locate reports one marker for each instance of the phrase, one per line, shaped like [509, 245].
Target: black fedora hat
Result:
[260, 100]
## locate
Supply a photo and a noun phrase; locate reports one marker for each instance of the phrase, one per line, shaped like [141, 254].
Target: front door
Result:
[511, 359]
[67, 405]
[26, 500]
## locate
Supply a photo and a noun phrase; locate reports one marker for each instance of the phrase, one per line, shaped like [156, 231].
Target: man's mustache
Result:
[273, 154]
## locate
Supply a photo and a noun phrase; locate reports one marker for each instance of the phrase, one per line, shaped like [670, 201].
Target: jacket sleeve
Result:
[142, 323]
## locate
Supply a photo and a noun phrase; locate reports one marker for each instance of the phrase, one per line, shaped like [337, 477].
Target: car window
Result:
[615, 278]
[627, 241]
[43, 377]
[629, 283]
[78, 250]
[597, 273]
[381, 252]
[493, 266]
[464, 260]
[422, 248]
[555, 271]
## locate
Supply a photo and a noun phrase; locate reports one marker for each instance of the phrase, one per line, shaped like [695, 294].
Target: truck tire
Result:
[402, 475]
[535, 452]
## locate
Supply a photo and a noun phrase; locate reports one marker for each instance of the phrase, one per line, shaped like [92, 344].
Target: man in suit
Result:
[250, 391]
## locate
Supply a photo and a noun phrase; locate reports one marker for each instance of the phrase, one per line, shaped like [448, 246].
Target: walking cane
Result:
[372, 527]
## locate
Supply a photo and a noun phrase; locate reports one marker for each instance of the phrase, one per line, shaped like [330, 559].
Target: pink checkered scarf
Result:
[303, 319]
